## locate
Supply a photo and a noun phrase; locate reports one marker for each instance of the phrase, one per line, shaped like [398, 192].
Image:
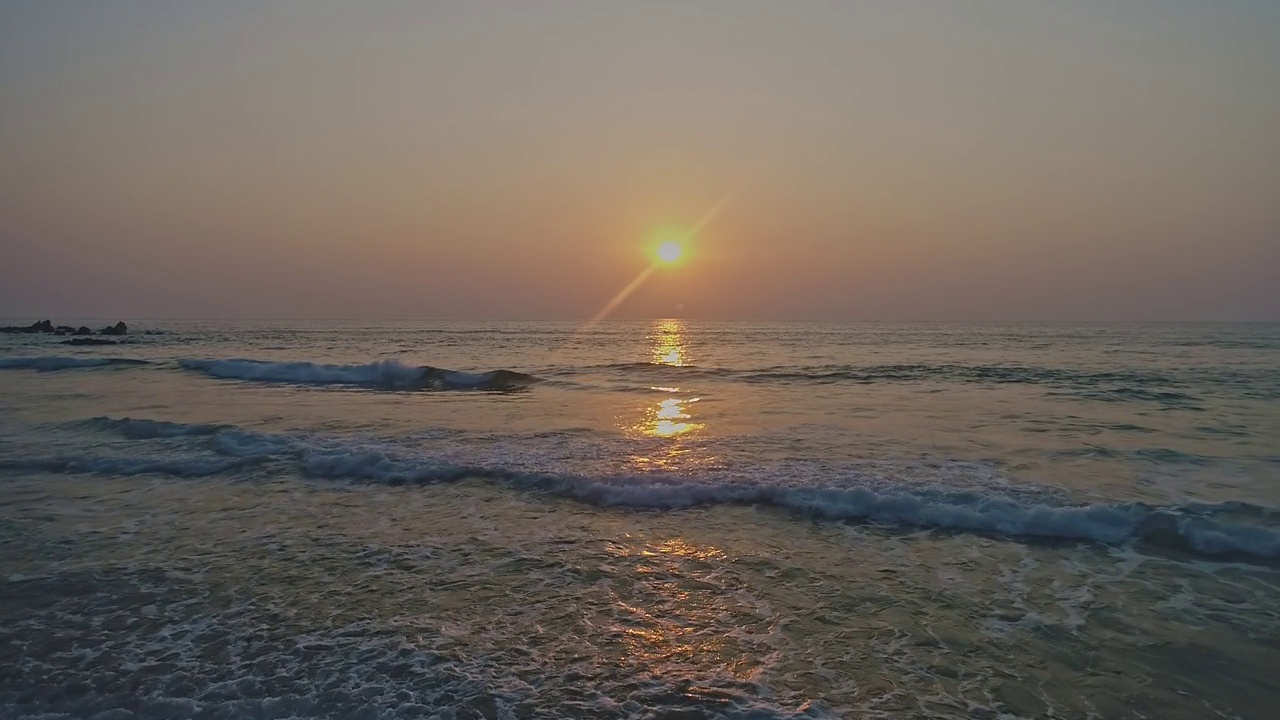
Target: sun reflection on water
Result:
[672, 417]
[668, 343]
[672, 618]
[670, 421]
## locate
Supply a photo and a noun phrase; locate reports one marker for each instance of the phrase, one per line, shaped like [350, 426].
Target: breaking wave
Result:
[50, 363]
[1169, 389]
[386, 374]
[1198, 528]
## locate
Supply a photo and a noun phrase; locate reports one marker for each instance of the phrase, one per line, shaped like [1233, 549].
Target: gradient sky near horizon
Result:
[885, 160]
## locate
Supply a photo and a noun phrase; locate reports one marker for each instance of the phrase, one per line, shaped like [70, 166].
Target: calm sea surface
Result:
[670, 519]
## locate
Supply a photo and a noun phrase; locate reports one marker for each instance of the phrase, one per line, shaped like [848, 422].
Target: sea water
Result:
[641, 519]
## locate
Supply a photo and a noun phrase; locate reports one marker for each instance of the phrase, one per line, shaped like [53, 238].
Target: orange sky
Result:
[898, 161]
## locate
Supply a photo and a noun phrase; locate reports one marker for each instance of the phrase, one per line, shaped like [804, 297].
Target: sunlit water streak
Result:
[736, 520]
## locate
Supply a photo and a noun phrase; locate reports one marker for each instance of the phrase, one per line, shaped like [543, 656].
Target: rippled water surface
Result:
[667, 519]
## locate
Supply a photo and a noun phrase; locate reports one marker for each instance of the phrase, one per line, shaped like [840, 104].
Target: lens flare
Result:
[670, 251]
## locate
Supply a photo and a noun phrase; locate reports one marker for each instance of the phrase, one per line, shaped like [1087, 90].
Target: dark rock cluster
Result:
[45, 326]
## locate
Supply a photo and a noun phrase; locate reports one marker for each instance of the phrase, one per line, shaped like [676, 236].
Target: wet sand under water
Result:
[292, 598]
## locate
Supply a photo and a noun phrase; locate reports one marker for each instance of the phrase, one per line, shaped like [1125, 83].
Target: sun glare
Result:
[670, 251]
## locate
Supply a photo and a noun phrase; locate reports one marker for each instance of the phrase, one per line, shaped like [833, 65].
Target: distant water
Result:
[666, 519]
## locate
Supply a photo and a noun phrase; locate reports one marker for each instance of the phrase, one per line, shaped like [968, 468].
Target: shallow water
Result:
[642, 520]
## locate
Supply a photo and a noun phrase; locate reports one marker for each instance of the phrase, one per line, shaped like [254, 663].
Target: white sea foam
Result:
[289, 664]
[899, 503]
[245, 444]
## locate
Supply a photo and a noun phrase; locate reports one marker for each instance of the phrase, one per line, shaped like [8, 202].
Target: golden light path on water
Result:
[679, 626]
[667, 338]
[675, 622]
[671, 418]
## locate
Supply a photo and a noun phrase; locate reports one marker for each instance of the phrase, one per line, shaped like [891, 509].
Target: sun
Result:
[670, 251]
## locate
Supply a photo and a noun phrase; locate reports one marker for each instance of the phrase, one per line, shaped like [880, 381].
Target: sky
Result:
[937, 161]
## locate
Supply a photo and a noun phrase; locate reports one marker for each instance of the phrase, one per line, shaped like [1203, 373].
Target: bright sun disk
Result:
[670, 251]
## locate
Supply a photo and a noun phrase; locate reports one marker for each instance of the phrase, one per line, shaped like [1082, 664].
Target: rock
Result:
[90, 341]
[83, 330]
[118, 329]
[44, 326]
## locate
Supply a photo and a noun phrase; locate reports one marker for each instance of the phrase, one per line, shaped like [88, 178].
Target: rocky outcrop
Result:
[89, 341]
[44, 326]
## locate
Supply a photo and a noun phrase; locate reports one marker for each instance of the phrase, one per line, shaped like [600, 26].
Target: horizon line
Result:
[587, 321]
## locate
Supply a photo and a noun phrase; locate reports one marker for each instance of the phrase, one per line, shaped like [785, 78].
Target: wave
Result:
[1123, 394]
[910, 372]
[1200, 529]
[51, 363]
[97, 465]
[142, 429]
[386, 374]
[1114, 386]
[1122, 385]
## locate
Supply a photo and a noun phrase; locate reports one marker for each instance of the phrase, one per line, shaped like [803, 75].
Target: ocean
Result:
[669, 519]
